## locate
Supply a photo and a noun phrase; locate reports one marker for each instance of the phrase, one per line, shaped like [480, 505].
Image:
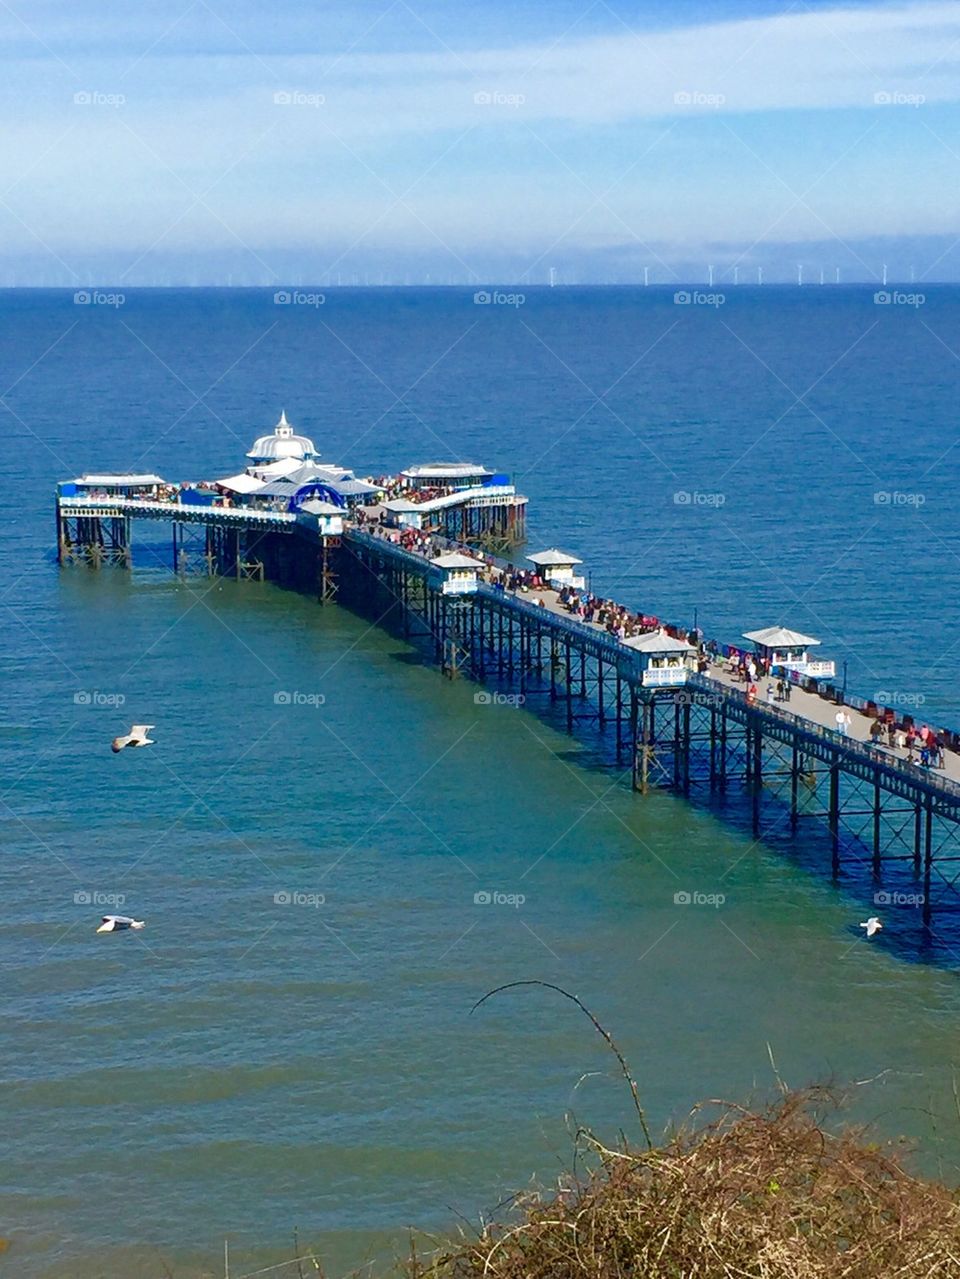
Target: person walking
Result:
[842, 720]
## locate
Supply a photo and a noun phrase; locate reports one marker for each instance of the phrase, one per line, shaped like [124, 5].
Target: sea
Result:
[337, 853]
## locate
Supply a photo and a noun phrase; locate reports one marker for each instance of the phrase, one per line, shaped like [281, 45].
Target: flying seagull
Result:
[872, 925]
[115, 923]
[136, 737]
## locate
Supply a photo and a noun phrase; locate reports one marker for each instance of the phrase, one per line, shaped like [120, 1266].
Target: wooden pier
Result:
[876, 816]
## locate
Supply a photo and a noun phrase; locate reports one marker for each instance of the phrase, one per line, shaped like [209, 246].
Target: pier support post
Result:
[568, 678]
[877, 810]
[635, 737]
[927, 862]
[834, 817]
[917, 839]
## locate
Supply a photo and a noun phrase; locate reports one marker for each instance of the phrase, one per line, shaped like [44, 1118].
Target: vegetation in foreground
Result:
[768, 1195]
[771, 1194]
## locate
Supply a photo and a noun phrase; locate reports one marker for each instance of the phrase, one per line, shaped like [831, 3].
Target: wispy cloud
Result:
[484, 141]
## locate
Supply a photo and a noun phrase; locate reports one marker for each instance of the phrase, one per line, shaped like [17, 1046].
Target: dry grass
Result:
[769, 1195]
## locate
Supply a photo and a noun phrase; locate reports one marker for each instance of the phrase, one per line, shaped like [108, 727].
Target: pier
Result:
[416, 553]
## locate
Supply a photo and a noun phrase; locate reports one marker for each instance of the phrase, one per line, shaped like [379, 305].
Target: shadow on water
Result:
[895, 894]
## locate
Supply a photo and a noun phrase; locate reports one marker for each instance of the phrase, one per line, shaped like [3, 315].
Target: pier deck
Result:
[690, 732]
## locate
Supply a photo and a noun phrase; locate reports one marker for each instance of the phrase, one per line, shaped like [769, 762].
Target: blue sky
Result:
[209, 141]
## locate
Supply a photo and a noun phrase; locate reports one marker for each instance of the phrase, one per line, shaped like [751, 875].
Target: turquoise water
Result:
[245, 1067]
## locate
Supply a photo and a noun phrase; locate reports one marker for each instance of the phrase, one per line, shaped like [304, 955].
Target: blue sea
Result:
[248, 1067]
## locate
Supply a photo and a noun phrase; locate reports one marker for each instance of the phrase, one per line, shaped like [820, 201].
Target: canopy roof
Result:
[118, 481]
[456, 560]
[657, 642]
[779, 637]
[277, 488]
[314, 506]
[242, 483]
[444, 471]
[351, 488]
[401, 505]
[282, 466]
[553, 559]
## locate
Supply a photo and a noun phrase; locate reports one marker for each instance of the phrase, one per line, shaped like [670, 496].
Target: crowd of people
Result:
[922, 745]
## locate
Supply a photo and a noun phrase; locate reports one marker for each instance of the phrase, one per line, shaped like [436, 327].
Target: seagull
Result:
[872, 925]
[136, 737]
[115, 923]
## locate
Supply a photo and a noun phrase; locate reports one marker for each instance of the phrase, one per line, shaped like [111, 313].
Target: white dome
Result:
[284, 442]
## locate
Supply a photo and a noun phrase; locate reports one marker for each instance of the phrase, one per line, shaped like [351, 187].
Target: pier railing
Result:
[150, 508]
[929, 777]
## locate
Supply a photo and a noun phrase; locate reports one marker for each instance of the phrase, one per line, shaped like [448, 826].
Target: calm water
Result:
[245, 1067]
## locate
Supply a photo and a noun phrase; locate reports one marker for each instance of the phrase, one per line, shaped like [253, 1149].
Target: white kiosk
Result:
[791, 650]
[457, 574]
[327, 518]
[664, 662]
[556, 567]
[402, 513]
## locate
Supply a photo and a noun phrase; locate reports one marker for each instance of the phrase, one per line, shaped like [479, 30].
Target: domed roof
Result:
[284, 442]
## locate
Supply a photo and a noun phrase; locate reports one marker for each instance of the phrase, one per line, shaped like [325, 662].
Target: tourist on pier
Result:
[751, 692]
[876, 732]
[843, 722]
[771, 692]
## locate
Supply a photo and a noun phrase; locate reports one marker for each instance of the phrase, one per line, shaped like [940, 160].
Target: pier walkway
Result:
[674, 711]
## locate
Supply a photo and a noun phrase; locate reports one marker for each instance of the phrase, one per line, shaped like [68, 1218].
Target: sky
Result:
[440, 141]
